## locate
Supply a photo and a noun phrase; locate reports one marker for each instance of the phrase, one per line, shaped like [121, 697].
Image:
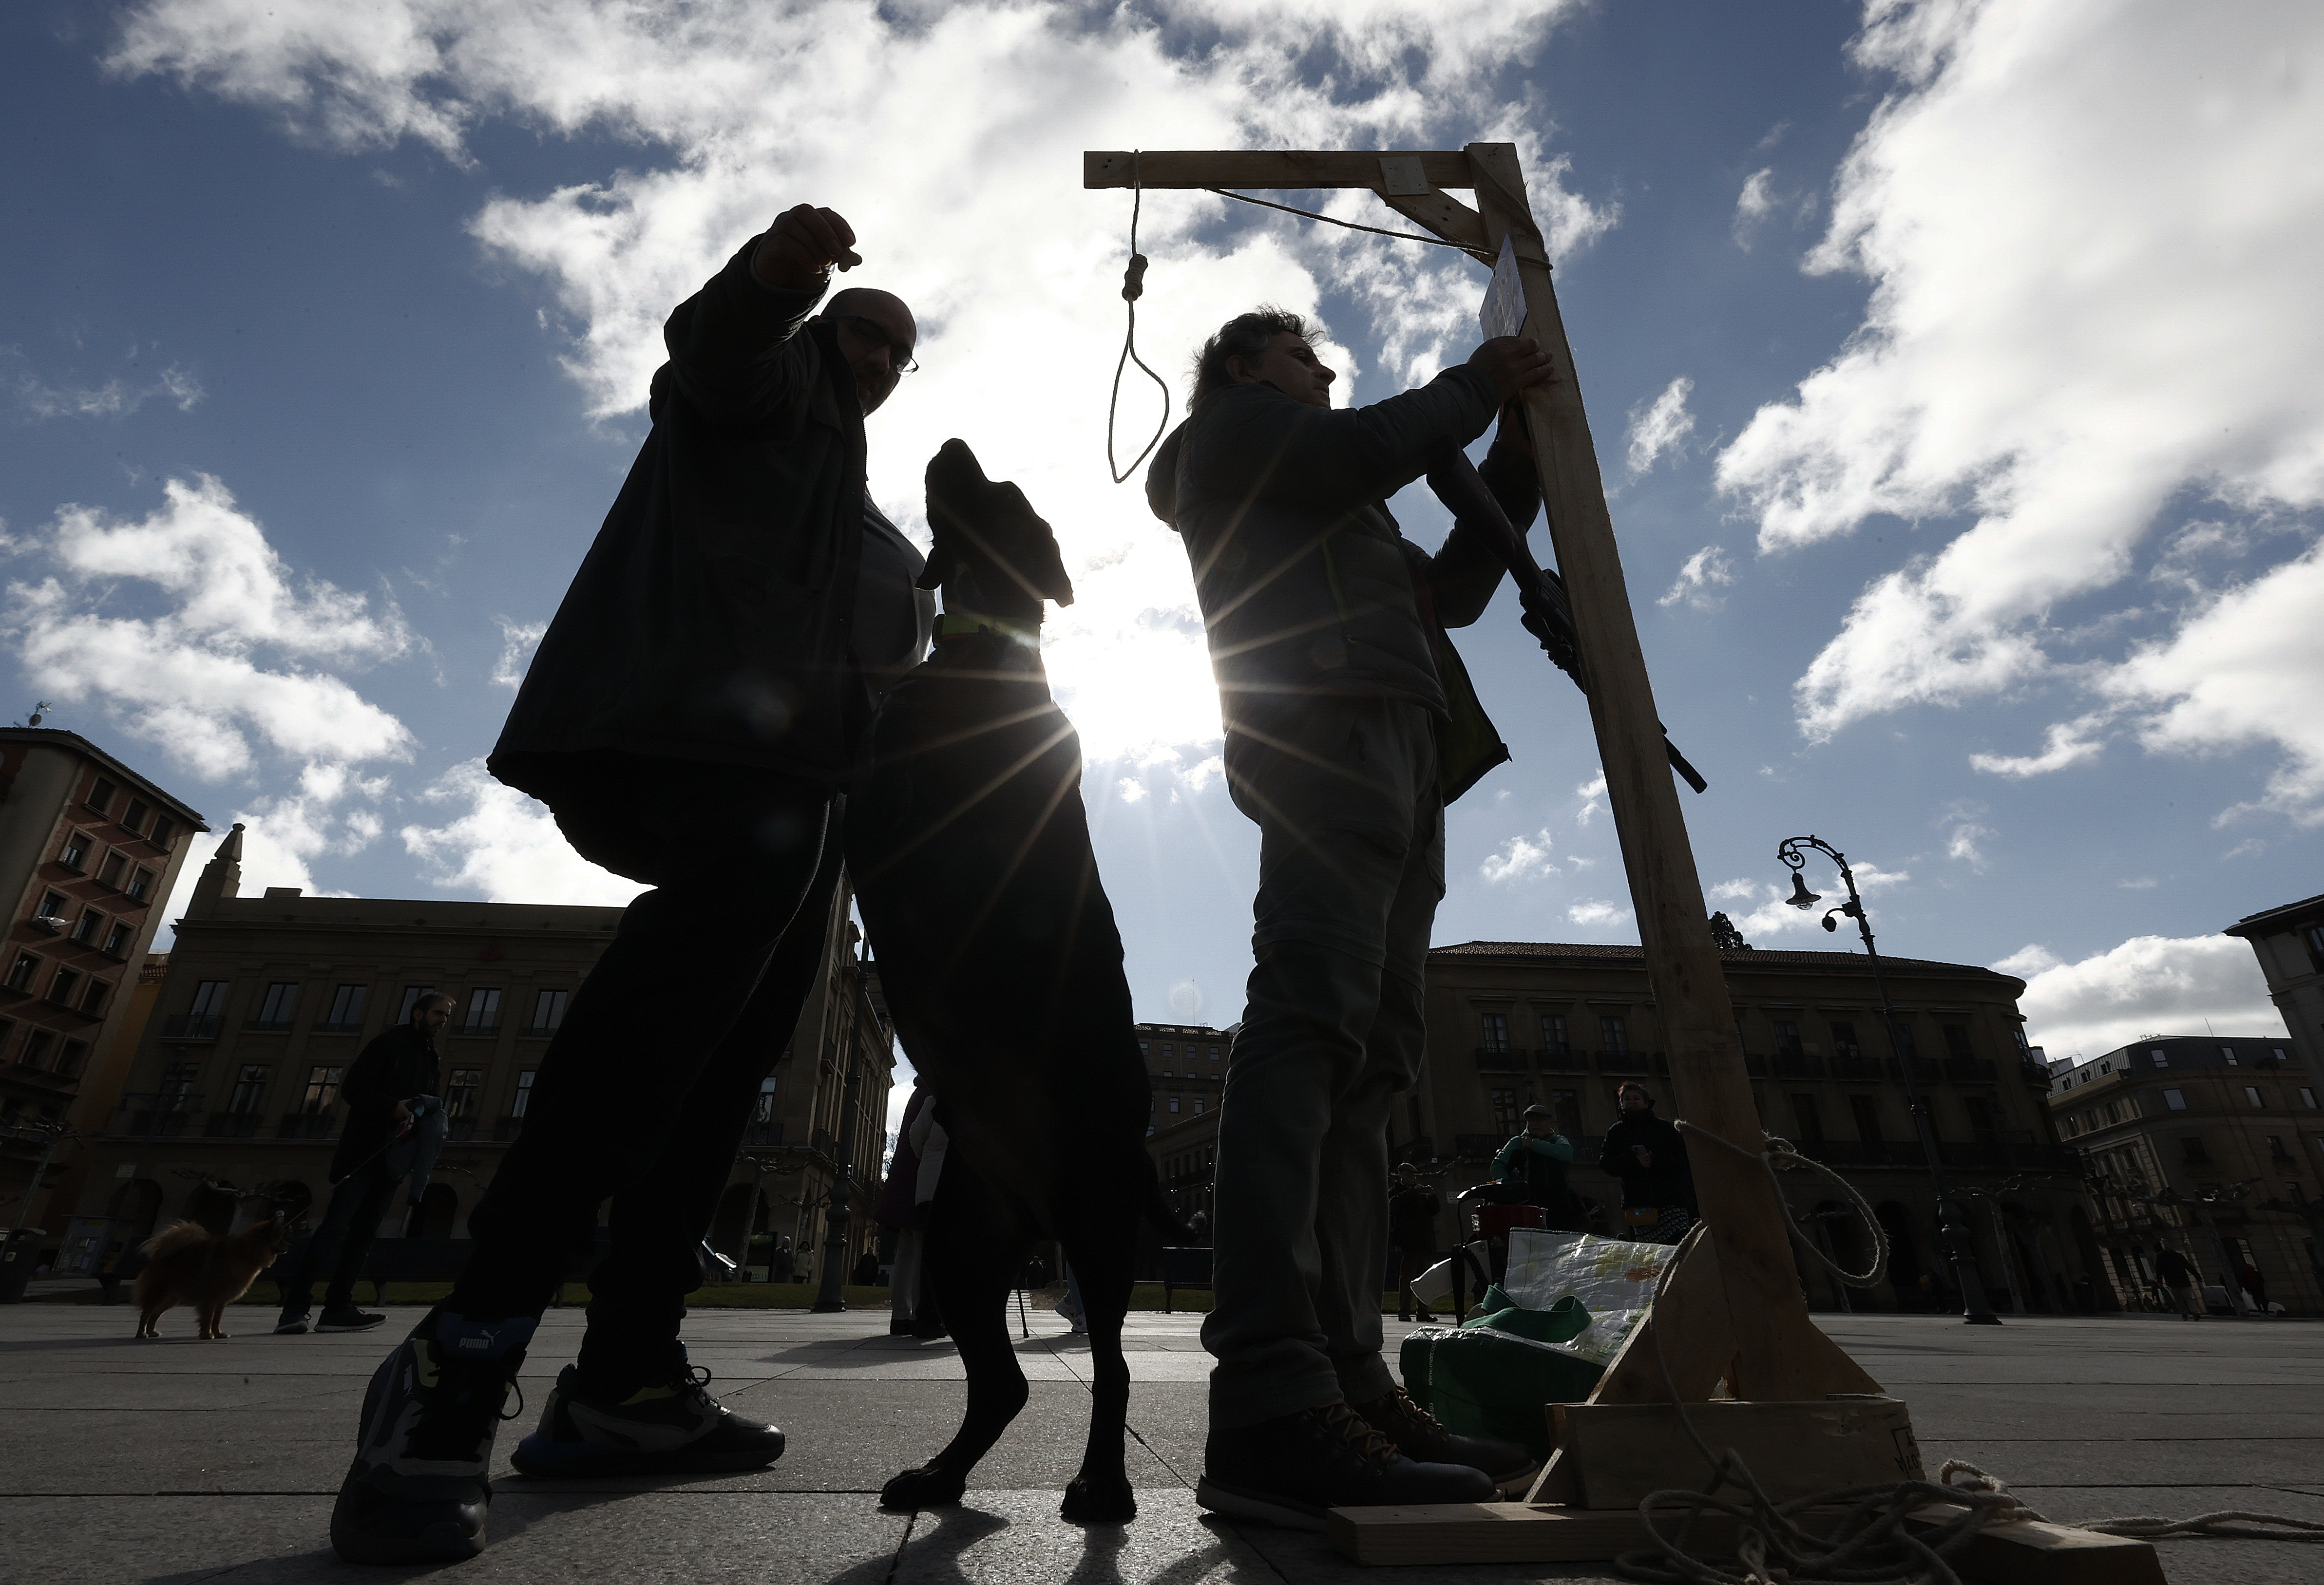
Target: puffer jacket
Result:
[1307, 583]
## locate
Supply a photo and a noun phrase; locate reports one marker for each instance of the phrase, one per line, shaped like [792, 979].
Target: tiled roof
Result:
[2302, 906]
[1770, 956]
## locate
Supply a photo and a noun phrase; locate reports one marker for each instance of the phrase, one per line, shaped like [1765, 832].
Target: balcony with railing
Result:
[1562, 1059]
[159, 1115]
[1798, 1065]
[354, 1029]
[1626, 1062]
[232, 1125]
[275, 1026]
[765, 1134]
[1855, 1068]
[190, 1026]
[1970, 1070]
[1502, 1059]
[1476, 1147]
[306, 1125]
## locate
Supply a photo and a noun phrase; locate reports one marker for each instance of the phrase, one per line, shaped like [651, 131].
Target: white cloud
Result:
[1594, 913]
[2148, 985]
[1699, 577]
[2066, 742]
[1519, 858]
[1754, 204]
[229, 654]
[1964, 845]
[503, 845]
[116, 398]
[973, 118]
[518, 641]
[2090, 231]
[1659, 427]
[1592, 794]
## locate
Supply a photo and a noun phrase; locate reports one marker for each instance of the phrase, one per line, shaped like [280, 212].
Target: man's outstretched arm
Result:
[734, 346]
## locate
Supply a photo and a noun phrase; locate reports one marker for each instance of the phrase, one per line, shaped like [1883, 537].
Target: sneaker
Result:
[348, 1320]
[1293, 1469]
[421, 1477]
[674, 1427]
[293, 1323]
[1420, 1436]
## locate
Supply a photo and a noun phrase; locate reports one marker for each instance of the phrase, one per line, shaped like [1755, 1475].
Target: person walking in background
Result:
[1538, 1160]
[702, 696]
[1412, 1211]
[2254, 1283]
[2176, 1272]
[904, 1201]
[1649, 1156]
[779, 1262]
[393, 1078]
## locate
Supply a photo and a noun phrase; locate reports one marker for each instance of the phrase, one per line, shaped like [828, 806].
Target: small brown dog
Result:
[187, 1264]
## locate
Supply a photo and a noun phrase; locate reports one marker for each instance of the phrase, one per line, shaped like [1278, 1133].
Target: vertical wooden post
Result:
[1713, 1090]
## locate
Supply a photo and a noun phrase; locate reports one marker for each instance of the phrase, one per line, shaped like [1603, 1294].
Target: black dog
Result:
[1000, 958]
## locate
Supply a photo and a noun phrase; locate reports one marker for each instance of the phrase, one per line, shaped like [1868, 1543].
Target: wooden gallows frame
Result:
[1733, 1311]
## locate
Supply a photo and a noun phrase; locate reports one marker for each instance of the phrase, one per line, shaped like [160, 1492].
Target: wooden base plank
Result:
[2051, 1554]
[1620, 1452]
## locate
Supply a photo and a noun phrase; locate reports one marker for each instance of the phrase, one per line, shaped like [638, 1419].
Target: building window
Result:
[91, 921]
[1955, 1040]
[140, 884]
[36, 1049]
[92, 1001]
[1843, 1041]
[119, 940]
[1866, 1112]
[1553, 1032]
[1787, 1039]
[348, 1007]
[322, 1089]
[2308, 1098]
[1169, 1053]
[483, 1011]
[2275, 1150]
[460, 1094]
[1507, 1118]
[1566, 1104]
[2191, 1151]
[210, 999]
[1215, 1053]
[1198, 1106]
[2024, 1047]
[1173, 1103]
[249, 1090]
[100, 796]
[1806, 1120]
[68, 1063]
[74, 856]
[548, 1011]
[1613, 1034]
[135, 818]
[1497, 1031]
[1142, 1050]
[1901, 1033]
[280, 1003]
[2176, 1100]
[178, 1080]
[2162, 1058]
[164, 830]
[109, 874]
[761, 1112]
[524, 1096]
[411, 995]
[2254, 1096]
[60, 989]
[21, 973]
[2228, 1054]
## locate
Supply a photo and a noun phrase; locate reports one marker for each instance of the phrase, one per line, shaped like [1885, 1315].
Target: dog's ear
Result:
[1041, 564]
[956, 485]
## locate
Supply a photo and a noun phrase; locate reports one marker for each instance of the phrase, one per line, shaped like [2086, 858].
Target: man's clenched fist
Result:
[802, 246]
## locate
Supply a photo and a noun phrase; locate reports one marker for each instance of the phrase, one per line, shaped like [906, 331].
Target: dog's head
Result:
[993, 554]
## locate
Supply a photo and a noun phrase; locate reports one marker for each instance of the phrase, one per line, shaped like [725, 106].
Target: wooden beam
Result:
[1449, 218]
[1296, 169]
[1625, 1452]
[1764, 1306]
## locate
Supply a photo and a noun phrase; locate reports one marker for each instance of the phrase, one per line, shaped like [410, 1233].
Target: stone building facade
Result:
[89, 849]
[2212, 1146]
[2289, 942]
[266, 1001]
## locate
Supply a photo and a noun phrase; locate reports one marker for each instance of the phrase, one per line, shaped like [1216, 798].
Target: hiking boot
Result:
[291, 1323]
[421, 1477]
[348, 1320]
[1290, 1470]
[672, 1427]
[1419, 1435]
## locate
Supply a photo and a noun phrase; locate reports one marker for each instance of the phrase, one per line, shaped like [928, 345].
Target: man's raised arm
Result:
[734, 346]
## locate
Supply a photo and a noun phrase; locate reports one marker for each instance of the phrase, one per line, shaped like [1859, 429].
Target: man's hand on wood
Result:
[1512, 364]
[802, 246]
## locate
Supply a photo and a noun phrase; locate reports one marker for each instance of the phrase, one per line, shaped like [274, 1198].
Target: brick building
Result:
[88, 851]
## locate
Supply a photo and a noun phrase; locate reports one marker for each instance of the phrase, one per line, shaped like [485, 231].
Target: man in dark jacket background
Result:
[1413, 1208]
[1338, 691]
[1539, 1159]
[1650, 1156]
[397, 1068]
[690, 717]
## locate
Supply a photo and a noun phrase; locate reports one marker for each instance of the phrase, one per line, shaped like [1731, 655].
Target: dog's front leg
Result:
[1101, 1493]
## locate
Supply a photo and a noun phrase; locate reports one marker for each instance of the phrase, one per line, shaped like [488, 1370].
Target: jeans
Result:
[342, 1241]
[1351, 867]
[645, 1091]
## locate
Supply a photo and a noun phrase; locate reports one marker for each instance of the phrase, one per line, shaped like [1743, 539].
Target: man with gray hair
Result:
[694, 710]
[1349, 725]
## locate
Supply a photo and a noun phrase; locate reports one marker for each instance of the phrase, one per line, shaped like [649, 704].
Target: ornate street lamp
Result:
[1951, 1226]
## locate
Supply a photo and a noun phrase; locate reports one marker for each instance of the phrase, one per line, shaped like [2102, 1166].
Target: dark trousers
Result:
[643, 1096]
[342, 1242]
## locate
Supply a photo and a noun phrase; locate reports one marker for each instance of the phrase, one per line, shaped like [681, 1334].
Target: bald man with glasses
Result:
[689, 719]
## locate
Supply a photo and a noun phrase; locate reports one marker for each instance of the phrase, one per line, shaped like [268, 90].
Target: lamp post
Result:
[1976, 1310]
[837, 1212]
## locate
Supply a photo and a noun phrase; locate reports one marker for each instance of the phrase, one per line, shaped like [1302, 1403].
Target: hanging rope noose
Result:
[1134, 286]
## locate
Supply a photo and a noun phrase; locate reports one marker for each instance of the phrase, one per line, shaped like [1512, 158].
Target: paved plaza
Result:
[178, 1461]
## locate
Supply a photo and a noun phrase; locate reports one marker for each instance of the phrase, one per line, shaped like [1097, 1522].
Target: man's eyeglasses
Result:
[869, 333]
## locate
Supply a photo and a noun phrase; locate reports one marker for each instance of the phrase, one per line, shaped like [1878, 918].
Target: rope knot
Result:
[1133, 280]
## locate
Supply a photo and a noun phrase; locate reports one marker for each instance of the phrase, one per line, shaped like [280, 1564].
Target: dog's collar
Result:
[950, 626]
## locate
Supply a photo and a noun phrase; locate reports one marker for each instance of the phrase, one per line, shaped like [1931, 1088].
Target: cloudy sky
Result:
[1949, 362]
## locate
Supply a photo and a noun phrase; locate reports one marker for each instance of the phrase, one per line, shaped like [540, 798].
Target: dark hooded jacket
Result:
[710, 620]
[396, 1065]
[1669, 1181]
[1306, 584]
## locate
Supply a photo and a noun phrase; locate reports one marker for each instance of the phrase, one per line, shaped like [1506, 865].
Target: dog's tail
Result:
[1157, 1210]
[176, 1236]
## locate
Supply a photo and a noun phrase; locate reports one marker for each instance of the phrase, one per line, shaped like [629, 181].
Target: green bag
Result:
[1496, 1374]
